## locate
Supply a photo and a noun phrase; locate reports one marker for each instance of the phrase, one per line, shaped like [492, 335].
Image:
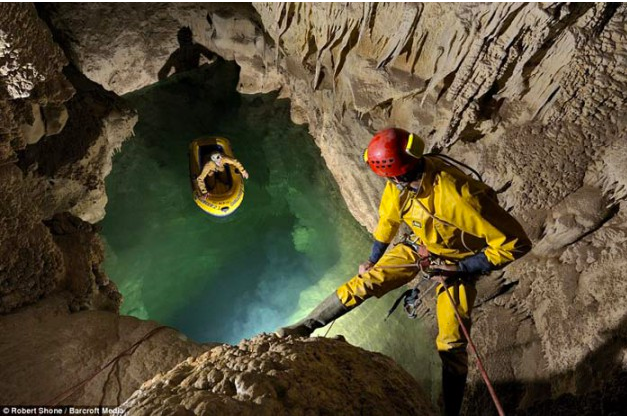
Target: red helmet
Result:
[393, 152]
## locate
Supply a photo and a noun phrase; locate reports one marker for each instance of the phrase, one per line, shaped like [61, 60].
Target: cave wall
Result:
[48, 350]
[532, 95]
[58, 131]
[52, 163]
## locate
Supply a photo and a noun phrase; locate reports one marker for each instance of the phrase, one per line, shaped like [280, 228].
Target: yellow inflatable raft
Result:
[226, 189]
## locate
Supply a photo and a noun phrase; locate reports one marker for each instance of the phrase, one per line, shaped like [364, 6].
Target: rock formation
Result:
[59, 133]
[270, 376]
[532, 95]
[47, 350]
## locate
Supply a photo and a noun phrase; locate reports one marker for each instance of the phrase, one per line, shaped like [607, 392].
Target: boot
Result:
[453, 386]
[327, 311]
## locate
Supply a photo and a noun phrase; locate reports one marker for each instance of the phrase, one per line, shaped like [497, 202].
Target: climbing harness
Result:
[65, 394]
[412, 299]
[427, 264]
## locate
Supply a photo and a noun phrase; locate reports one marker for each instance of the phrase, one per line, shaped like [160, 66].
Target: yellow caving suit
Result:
[211, 169]
[449, 202]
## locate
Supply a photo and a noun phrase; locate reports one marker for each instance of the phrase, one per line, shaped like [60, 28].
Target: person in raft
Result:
[454, 217]
[215, 167]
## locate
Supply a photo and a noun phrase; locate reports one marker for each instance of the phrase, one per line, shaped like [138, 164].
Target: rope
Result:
[65, 394]
[482, 370]
[329, 329]
[453, 161]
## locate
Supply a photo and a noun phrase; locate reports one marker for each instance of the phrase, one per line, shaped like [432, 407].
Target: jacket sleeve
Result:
[200, 180]
[478, 213]
[389, 214]
[378, 249]
[234, 162]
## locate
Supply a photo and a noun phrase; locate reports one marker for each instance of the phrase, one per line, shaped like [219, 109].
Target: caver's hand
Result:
[365, 267]
[443, 272]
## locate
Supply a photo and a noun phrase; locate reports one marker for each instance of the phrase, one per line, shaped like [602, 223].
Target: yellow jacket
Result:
[210, 168]
[453, 215]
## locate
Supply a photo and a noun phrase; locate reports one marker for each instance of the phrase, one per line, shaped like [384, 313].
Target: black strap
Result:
[453, 161]
[397, 302]
[408, 297]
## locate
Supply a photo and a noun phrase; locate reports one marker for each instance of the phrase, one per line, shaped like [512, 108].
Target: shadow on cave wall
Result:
[598, 385]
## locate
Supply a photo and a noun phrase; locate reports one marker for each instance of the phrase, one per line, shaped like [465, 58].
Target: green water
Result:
[288, 246]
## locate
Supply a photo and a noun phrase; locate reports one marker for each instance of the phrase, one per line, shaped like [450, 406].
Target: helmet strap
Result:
[413, 174]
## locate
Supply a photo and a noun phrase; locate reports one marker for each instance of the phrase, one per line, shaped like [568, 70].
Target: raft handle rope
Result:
[65, 394]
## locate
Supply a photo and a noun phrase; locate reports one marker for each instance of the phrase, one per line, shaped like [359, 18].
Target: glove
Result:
[448, 272]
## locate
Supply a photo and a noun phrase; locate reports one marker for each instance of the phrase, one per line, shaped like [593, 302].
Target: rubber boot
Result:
[327, 311]
[453, 386]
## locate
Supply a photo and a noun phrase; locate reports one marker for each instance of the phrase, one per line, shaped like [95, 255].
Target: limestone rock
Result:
[83, 255]
[32, 132]
[143, 41]
[73, 163]
[55, 116]
[45, 351]
[271, 376]
[63, 168]
[31, 264]
[30, 76]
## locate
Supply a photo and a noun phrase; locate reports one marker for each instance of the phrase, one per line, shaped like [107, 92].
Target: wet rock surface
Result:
[271, 376]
